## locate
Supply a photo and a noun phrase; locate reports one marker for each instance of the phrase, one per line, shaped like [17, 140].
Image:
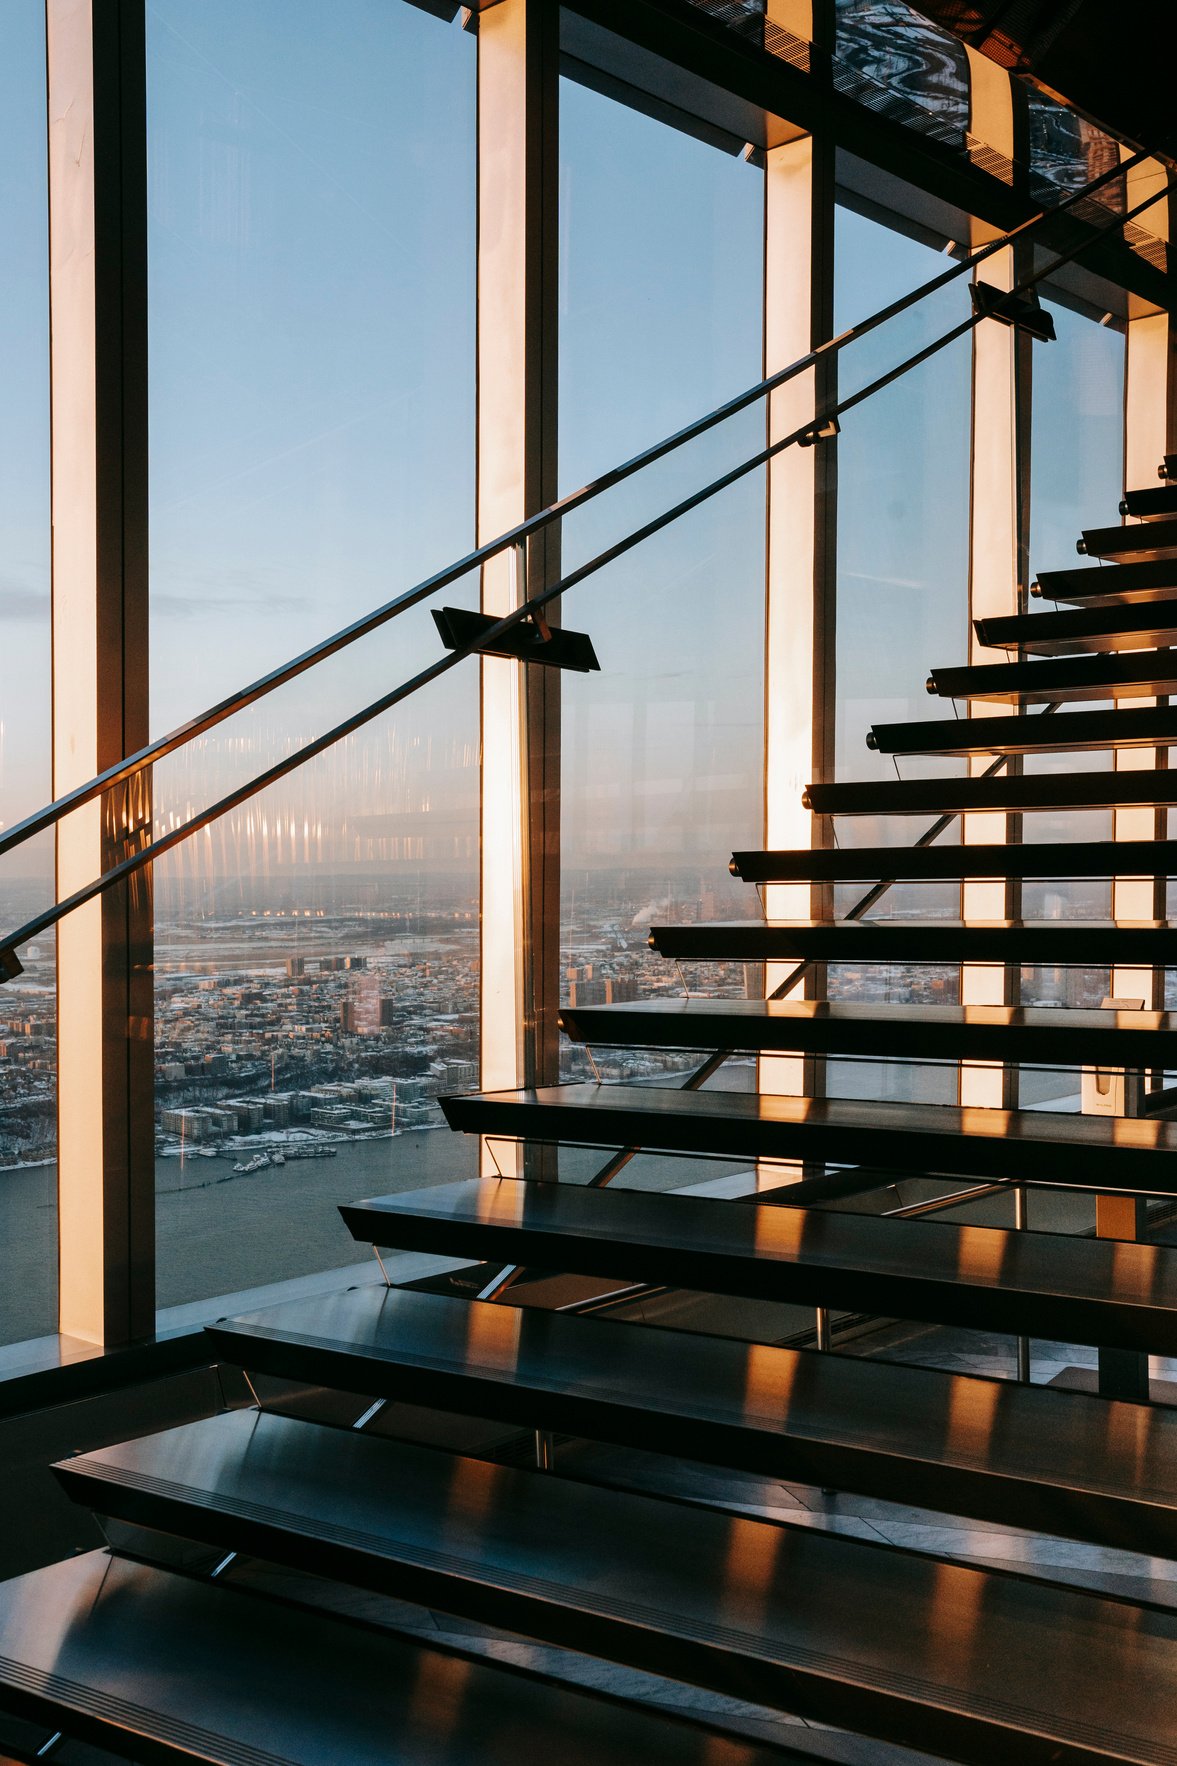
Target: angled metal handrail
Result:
[806, 433]
[523, 531]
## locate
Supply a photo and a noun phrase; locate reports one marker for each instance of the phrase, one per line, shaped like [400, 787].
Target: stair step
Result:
[1149, 726]
[786, 1615]
[1102, 1153]
[1141, 541]
[978, 1277]
[1148, 581]
[868, 864]
[1051, 1035]
[1155, 788]
[901, 1433]
[161, 1667]
[1086, 943]
[1159, 499]
[1083, 630]
[1120, 674]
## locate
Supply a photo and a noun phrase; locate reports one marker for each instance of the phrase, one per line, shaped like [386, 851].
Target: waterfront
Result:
[219, 1233]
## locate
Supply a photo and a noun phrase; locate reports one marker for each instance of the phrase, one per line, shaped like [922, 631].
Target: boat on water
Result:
[259, 1162]
[277, 1158]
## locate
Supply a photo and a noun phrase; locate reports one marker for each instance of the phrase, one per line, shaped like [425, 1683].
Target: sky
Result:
[24, 414]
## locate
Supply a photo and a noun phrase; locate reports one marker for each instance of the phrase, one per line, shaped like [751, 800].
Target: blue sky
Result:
[24, 414]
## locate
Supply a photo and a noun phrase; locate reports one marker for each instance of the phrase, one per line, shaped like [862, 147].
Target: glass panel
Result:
[903, 524]
[28, 1108]
[1076, 481]
[1078, 437]
[1067, 151]
[312, 260]
[661, 273]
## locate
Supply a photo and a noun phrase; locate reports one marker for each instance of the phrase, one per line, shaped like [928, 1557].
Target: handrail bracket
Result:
[529, 640]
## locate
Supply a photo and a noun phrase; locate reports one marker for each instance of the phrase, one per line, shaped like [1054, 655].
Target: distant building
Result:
[367, 1010]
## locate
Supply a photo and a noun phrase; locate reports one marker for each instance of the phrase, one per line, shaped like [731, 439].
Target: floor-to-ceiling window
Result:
[28, 1174]
[660, 321]
[312, 324]
[1076, 481]
[902, 580]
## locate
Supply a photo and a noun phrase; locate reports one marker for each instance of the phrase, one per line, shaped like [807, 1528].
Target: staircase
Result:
[271, 1574]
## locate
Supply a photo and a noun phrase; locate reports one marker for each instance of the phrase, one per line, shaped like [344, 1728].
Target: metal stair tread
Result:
[1102, 1153]
[1032, 1456]
[1105, 675]
[1048, 859]
[1081, 630]
[1070, 732]
[767, 1608]
[972, 1275]
[1029, 793]
[1061, 1034]
[1082, 942]
[1120, 585]
[171, 1669]
[1137, 540]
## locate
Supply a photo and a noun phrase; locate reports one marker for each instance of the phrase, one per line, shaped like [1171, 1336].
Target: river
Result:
[218, 1233]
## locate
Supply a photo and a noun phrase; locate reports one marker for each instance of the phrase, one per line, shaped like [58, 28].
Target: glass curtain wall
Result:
[28, 1092]
[902, 584]
[1076, 481]
[660, 321]
[312, 287]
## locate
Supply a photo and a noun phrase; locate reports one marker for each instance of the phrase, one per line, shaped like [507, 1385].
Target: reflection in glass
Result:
[312, 279]
[897, 62]
[662, 751]
[1076, 477]
[28, 1005]
[903, 523]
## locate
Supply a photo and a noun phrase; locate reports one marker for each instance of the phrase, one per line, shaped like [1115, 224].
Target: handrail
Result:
[531, 606]
[523, 531]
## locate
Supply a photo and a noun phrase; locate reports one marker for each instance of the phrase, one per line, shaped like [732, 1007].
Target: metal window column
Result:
[800, 522]
[999, 513]
[98, 358]
[518, 265]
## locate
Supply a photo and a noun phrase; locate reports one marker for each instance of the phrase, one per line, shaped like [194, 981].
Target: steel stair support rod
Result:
[1021, 1224]
[370, 622]
[714, 1062]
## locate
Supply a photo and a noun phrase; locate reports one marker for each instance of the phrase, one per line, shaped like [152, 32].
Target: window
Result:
[28, 1174]
[312, 236]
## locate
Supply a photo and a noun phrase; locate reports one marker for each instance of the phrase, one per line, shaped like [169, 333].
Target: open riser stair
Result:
[274, 1580]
